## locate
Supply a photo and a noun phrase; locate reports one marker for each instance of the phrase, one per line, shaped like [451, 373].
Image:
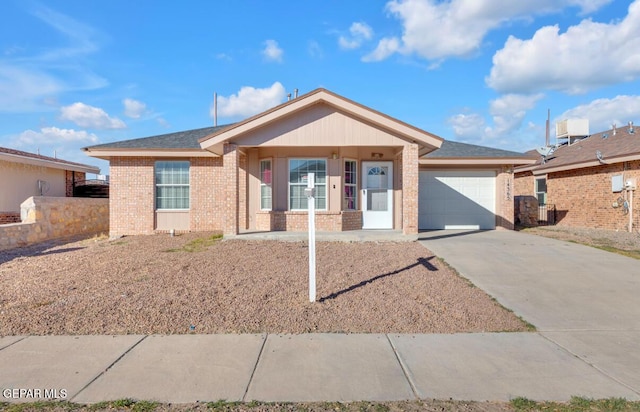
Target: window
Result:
[298, 172]
[172, 185]
[265, 184]
[350, 198]
[541, 191]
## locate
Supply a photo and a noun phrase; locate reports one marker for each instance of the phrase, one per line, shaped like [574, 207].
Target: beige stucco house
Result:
[24, 174]
[371, 172]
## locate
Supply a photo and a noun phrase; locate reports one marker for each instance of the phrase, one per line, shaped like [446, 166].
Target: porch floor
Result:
[346, 236]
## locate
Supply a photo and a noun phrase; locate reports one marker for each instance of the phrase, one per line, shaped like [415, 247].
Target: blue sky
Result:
[76, 73]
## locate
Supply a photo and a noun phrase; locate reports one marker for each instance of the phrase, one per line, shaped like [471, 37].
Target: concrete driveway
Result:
[583, 299]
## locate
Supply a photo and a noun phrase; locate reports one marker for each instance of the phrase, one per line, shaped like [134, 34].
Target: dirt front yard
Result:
[190, 283]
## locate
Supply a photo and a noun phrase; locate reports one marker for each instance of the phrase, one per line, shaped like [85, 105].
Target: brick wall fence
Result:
[9, 217]
[45, 218]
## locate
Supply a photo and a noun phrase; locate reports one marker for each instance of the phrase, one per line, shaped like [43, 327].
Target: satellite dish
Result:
[545, 150]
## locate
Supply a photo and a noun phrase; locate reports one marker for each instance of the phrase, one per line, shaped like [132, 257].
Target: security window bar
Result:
[299, 170]
[350, 197]
[172, 185]
[265, 185]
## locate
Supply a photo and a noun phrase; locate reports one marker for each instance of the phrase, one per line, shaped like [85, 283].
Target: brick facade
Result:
[207, 190]
[231, 175]
[70, 178]
[9, 217]
[132, 189]
[504, 198]
[297, 221]
[584, 198]
[409, 181]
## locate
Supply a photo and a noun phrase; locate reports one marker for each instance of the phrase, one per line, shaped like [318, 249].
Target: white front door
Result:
[377, 195]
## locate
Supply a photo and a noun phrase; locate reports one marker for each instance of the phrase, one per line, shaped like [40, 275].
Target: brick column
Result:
[410, 189]
[230, 165]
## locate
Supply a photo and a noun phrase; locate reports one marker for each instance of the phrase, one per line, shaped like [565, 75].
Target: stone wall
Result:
[46, 218]
[526, 211]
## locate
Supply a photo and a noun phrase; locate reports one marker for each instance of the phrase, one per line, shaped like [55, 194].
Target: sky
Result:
[75, 73]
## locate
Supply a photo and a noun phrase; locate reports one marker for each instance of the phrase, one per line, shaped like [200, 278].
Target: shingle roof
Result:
[609, 145]
[187, 139]
[41, 157]
[451, 149]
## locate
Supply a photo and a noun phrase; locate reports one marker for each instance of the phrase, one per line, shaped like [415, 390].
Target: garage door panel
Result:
[456, 199]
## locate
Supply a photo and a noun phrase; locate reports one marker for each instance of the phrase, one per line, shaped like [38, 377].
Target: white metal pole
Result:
[630, 210]
[311, 202]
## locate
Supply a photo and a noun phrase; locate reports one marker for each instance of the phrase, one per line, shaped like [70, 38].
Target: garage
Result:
[457, 199]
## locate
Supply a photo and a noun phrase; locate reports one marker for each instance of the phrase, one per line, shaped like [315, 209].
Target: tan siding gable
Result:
[319, 125]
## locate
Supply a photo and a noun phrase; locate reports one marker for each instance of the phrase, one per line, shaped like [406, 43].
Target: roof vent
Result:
[614, 130]
[631, 131]
[604, 136]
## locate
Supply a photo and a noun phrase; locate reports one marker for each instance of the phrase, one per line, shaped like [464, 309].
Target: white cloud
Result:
[506, 129]
[602, 113]
[272, 52]
[250, 100]
[509, 111]
[386, 47]
[54, 135]
[359, 32]
[90, 117]
[467, 125]
[436, 30]
[586, 56]
[315, 50]
[134, 108]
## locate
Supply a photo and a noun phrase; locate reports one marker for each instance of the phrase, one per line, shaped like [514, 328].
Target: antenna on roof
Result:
[547, 135]
[215, 108]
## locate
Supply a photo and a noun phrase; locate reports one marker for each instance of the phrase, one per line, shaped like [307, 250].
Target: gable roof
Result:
[622, 146]
[170, 143]
[456, 152]
[425, 140]
[18, 156]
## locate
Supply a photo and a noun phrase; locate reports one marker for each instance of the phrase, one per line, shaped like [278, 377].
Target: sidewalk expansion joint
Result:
[255, 367]
[111, 365]
[404, 369]
[602, 371]
[13, 343]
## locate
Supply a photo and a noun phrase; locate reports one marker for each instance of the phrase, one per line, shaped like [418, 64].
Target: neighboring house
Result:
[24, 174]
[585, 180]
[372, 172]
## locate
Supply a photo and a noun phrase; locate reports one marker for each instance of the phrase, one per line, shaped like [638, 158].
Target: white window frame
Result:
[157, 185]
[269, 185]
[289, 184]
[538, 192]
[354, 184]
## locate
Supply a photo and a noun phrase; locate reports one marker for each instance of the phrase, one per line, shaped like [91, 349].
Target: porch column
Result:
[410, 189]
[230, 164]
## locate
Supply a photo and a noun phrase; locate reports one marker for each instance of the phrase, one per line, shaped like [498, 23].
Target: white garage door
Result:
[457, 199]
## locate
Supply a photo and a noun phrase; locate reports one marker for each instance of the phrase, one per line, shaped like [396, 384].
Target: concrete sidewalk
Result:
[308, 367]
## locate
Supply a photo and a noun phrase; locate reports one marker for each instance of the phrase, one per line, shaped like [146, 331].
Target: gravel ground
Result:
[150, 284]
[594, 237]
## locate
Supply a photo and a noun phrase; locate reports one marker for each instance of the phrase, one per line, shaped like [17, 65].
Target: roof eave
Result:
[544, 169]
[106, 154]
[74, 167]
[475, 161]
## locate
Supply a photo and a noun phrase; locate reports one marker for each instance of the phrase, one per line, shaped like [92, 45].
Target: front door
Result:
[377, 195]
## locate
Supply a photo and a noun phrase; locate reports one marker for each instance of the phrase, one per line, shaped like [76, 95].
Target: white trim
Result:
[16, 158]
[156, 185]
[325, 184]
[270, 160]
[108, 153]
[344, 184]
[450, 161]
